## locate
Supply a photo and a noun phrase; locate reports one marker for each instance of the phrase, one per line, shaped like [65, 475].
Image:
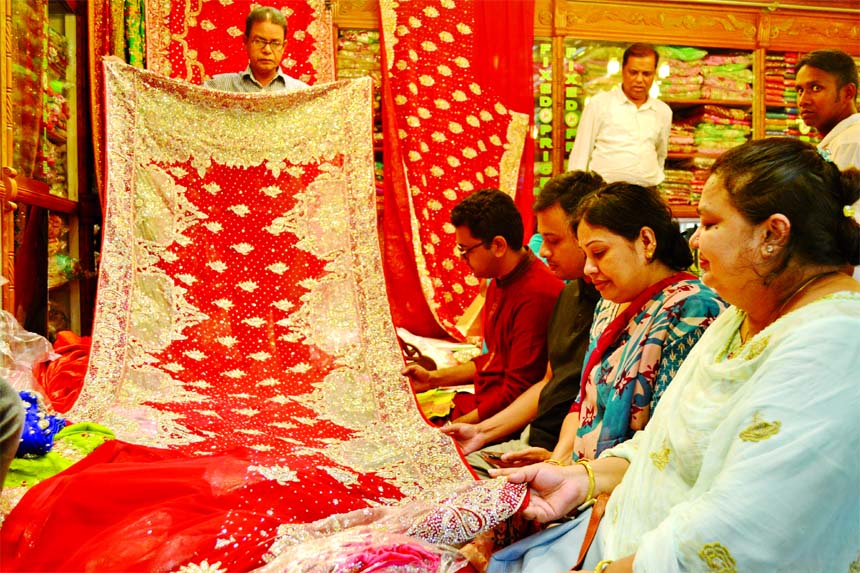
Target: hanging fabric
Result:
[449, 131]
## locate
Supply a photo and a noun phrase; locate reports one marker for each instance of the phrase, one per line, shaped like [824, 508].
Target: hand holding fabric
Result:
[555, 490]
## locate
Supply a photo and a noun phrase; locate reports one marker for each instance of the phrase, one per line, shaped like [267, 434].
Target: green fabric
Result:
[683, 53]
[135, 33]
[27, 472]
[84, 437]
[436, 403]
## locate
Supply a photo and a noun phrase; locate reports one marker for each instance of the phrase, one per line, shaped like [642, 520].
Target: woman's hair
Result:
[625, 209]
[791, 177]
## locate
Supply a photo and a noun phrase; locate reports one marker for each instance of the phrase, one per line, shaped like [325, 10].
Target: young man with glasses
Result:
[519, 302]
[540, 411]
[265, 41]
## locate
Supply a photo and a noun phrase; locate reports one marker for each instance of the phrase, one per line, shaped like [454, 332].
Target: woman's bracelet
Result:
[552, 462]
[602, 565]
[589, 496]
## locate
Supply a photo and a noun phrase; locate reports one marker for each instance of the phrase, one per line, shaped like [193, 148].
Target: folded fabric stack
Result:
[681, 138]
[358, 56]
[685, 78]
[714, 128]
[700, 171]
[779, 79]
[727, 77]
[676, 187]
[594, 63]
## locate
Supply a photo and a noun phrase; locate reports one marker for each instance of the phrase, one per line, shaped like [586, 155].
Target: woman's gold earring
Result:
[769, 249]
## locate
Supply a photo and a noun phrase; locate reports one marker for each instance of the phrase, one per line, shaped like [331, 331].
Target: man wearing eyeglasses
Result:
[519, 302]
[265, 41]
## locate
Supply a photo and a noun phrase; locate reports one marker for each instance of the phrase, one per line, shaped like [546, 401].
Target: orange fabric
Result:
[62, 378]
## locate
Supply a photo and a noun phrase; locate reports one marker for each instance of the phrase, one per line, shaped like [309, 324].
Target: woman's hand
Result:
[556, 490]
[524, 457]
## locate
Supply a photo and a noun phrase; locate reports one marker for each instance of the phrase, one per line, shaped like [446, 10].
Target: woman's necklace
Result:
[799, 290]
[744, 336]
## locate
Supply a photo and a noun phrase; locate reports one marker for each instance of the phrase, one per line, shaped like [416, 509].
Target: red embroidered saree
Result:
[243, 350]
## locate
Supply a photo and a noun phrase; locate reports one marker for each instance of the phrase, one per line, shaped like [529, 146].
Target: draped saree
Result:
[749, 464]
[243, 350]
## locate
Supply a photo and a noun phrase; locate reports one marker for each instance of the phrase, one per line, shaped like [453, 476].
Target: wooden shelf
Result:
[36, 193]
[693, 102]
[672, 155]
[685, 211]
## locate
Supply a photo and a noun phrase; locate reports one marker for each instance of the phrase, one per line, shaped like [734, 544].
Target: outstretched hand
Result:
[467, 436]
[420, 377]
[556, 490]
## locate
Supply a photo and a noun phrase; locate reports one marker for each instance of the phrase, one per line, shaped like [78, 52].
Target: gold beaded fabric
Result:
[241, 299]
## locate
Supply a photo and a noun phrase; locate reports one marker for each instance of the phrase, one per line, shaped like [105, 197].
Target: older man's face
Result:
[265, 45]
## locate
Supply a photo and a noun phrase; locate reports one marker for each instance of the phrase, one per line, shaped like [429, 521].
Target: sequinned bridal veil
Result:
[243, 349]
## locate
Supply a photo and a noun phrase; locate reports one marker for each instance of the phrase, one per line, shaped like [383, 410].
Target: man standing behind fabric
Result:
[517, 309]
[265, 41]
[624, 133]
[546, 403]
[826, 85]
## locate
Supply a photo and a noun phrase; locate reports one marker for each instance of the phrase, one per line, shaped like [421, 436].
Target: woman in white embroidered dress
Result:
[751, 462]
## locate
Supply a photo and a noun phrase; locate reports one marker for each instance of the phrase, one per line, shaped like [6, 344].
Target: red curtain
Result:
[457, 94]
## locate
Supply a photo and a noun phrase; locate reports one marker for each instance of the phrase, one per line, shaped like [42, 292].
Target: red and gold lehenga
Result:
[243, 350]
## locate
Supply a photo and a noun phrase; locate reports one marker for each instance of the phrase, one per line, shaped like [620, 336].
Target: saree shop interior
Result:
[208, 297]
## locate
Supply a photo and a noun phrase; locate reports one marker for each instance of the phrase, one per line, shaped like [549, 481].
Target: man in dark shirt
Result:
[518, 305]
[265, 41]
[546, 403]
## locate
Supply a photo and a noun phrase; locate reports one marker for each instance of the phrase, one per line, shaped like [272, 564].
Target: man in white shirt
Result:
[265, 41]
[826, 85]
[624, 133]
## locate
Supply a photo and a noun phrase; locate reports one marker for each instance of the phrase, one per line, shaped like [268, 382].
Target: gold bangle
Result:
[589, 496]
[602, 565]
[552, 462]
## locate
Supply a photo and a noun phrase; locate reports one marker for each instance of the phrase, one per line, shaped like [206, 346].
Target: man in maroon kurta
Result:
[518, 306]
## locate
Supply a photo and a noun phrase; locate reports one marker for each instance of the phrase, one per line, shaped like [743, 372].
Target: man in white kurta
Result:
[624, 133]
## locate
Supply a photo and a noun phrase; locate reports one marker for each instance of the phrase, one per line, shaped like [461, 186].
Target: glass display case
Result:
[710, 92]
[47, 252]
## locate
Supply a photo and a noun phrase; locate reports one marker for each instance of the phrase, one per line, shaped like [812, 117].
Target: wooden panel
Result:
[36, 193]
[707, 26]
[805, 31]
[543, 17]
